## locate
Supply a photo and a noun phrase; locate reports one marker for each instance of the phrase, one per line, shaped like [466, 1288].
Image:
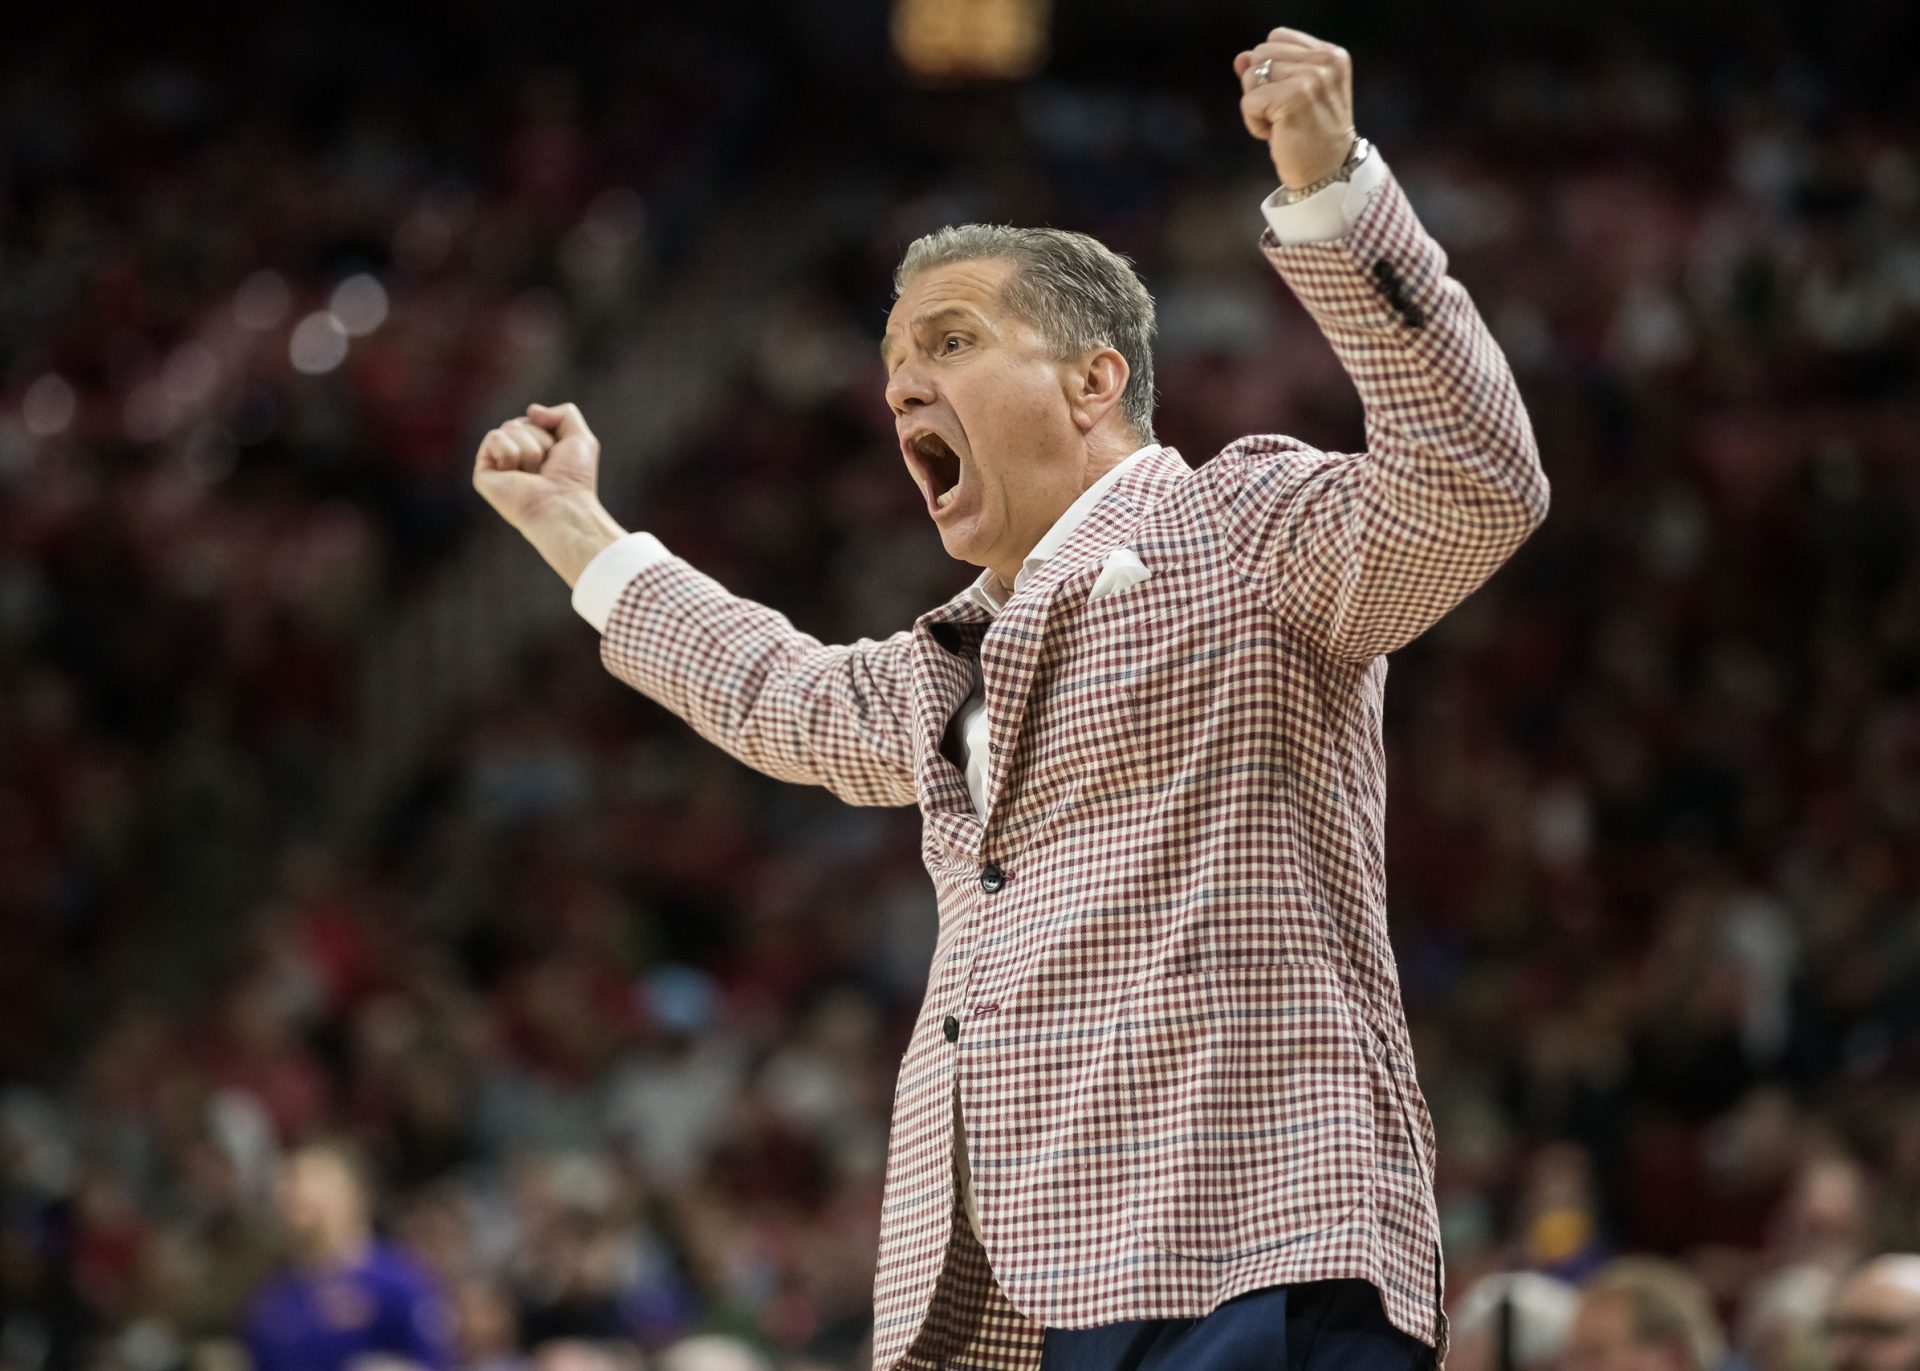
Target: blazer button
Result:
[951, 1027]
[992, 878]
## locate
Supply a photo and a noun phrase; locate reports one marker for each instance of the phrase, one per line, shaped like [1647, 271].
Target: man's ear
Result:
[1095, 387]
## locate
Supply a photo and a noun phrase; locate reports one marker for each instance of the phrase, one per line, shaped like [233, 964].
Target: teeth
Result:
[947, 498]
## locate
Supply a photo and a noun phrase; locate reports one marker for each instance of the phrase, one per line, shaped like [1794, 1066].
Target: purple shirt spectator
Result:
[382, 1305]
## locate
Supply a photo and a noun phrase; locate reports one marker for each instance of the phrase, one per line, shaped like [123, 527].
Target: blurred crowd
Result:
[580, 1053]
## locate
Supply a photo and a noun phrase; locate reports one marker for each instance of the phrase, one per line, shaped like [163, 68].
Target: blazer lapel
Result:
[948, 640]
[946, 644]
[1011, 648]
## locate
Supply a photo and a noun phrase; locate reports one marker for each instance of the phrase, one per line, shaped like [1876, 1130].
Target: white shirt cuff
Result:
[598, 589]
[1329, 212]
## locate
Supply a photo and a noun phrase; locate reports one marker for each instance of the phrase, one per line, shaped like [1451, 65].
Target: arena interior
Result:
[330, 850]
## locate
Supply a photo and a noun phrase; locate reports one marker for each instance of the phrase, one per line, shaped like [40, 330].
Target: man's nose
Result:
[906, 388]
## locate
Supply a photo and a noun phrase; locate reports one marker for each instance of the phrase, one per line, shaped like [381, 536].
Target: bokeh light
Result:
[360, 304]
[48, 406]
[318, 344]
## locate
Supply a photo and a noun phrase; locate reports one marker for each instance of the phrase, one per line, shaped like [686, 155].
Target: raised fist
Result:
[1296, 95]
[526, 464]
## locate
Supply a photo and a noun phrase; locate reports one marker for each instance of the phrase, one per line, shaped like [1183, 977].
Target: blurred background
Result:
[345, 898]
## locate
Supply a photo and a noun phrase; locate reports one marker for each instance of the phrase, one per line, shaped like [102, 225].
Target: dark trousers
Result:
[1312, 1326]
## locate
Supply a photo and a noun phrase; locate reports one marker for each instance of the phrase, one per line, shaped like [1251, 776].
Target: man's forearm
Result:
[758, 688]
[569, 533]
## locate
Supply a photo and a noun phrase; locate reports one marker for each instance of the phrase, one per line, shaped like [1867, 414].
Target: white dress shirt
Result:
[1320, 217]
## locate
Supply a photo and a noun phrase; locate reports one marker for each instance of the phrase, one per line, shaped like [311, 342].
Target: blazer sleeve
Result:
[771, 696]
[1365, 551]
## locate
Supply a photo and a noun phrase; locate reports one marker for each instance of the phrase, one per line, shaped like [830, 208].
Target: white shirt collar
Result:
[990, 593]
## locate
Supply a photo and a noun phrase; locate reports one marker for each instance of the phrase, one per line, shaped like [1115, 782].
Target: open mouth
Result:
[939, 468]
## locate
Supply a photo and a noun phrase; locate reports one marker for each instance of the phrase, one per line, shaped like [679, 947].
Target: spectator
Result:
[1874, 1322]
[345, 1295]
[1780, 1325]
[712, 1352]
[486, 1328]
[1512, 1321]
[579, 1354]
[1644, 1314]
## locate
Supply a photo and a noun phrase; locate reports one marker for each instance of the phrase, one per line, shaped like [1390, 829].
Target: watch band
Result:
[1356, 154]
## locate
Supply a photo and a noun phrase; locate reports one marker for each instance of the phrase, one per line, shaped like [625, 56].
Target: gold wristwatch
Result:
[1356, 154]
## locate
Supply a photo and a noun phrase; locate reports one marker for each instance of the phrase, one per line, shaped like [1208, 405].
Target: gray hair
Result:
[1078, 292]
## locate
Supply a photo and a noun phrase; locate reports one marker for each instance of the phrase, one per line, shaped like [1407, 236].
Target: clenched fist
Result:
[542, 474]
[526, 464]
[1296, 95]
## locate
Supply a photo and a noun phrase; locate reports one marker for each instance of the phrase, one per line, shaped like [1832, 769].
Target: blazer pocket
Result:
[1142, 602]
[1135, 641]
[1250, 1109]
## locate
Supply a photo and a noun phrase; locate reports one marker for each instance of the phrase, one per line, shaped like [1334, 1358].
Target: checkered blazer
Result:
[1162, 991]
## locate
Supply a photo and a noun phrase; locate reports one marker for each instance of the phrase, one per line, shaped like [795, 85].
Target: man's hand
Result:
[526, 464]
[1301, 106]
[542, 474]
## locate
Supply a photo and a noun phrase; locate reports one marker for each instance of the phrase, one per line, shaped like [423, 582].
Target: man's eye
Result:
[952, 338]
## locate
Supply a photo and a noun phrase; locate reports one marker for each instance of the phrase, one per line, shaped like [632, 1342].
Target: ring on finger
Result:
[1260, 72]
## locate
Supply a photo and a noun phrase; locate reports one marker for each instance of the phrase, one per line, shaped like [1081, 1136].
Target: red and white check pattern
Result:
[1180, 1052]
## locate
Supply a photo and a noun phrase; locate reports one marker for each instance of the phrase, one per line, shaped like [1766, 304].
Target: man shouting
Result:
[1159, 1108]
